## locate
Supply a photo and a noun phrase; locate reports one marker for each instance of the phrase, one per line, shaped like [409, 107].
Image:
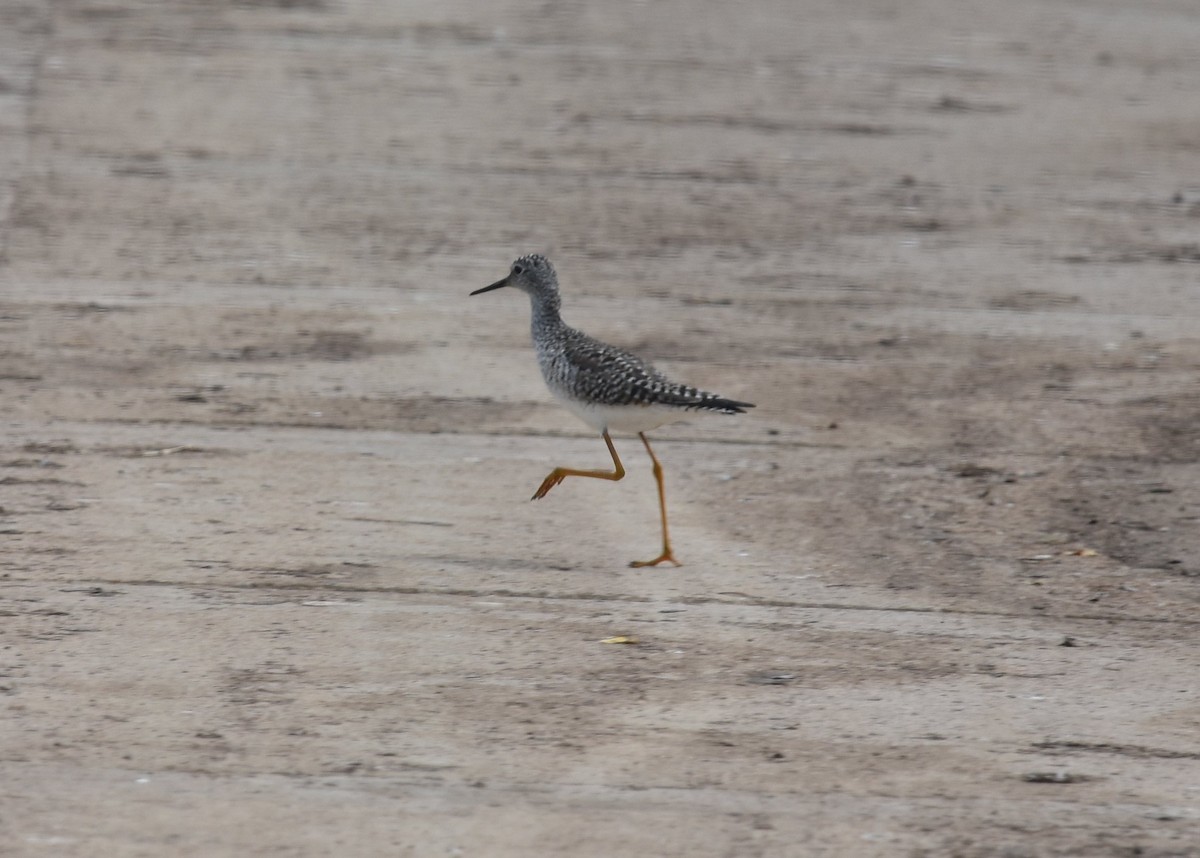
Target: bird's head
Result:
[532, 274]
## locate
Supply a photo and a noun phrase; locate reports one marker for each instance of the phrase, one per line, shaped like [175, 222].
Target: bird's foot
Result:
[666, 557]
[556, 477]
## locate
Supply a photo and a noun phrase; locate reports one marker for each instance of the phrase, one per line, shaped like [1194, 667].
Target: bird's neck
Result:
[546, 311]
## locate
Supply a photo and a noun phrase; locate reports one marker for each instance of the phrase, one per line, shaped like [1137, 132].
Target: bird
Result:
[607, 387]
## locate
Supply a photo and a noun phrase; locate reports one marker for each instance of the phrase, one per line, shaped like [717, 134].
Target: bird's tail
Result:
[719, 404]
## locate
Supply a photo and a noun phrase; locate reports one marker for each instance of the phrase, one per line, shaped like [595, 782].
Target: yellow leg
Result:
[560, 474]
[667, 555]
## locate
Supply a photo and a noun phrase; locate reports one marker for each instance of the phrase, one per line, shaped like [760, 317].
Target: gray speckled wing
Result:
[605, 375]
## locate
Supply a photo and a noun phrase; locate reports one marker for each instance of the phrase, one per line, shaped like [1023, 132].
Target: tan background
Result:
[271, 582]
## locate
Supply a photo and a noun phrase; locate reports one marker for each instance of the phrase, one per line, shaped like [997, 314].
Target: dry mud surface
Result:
[271, 582]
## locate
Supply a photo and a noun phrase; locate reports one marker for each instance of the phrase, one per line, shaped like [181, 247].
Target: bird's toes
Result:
[547, 484]
[666, 557]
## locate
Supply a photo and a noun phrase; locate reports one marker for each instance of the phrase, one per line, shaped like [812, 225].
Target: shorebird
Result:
[606, 387]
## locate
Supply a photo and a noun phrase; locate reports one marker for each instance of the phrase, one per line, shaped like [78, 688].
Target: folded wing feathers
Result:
[613, 376]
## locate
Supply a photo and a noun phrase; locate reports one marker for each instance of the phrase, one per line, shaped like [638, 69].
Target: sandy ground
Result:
[271, 581]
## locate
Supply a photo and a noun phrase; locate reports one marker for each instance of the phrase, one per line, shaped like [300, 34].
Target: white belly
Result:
[626, 418]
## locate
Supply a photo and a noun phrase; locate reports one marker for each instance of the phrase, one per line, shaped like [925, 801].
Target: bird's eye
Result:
[517, 269]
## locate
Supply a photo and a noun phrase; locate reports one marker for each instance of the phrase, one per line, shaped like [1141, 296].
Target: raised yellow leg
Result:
[560, 474]
[667, 555]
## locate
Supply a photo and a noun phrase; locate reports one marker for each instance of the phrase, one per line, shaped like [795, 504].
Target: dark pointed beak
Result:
[498, 284]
